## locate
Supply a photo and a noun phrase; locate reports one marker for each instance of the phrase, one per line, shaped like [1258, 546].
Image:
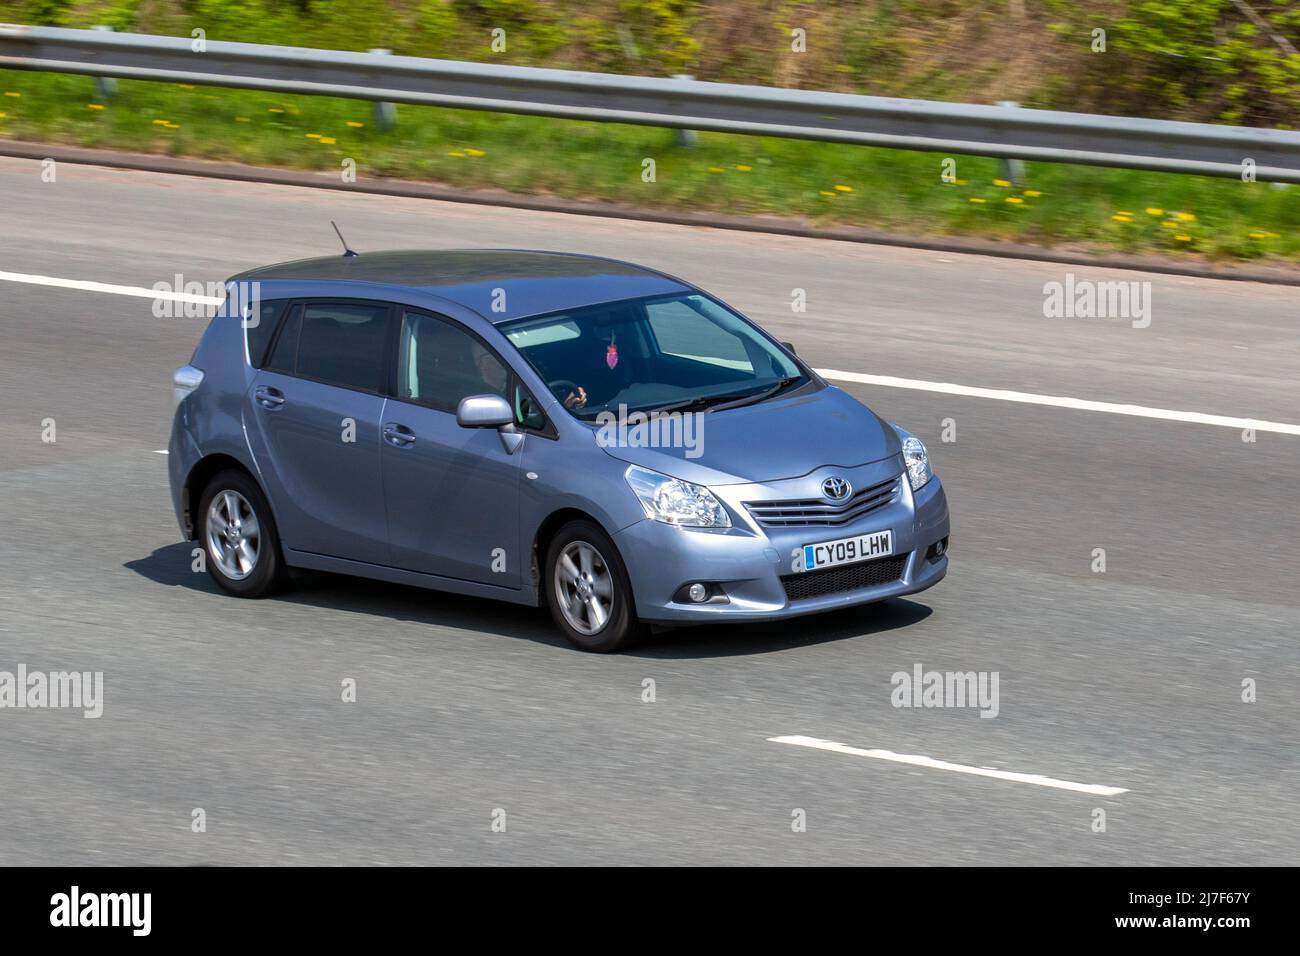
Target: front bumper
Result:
[748, 562]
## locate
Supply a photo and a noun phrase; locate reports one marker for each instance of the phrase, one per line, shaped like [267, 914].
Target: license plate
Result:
[862, 547]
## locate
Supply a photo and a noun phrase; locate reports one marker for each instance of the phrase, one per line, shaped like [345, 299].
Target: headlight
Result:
[674, 501]
[917, 459]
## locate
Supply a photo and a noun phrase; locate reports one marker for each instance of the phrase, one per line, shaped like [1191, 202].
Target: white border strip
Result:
[889, 381]
[1056, 401]
[931, 763]
[87, 286]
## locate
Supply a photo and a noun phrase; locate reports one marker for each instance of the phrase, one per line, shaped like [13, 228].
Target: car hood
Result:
[779, 438]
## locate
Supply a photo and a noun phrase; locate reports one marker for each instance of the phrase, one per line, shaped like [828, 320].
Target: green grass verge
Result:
[887, 190]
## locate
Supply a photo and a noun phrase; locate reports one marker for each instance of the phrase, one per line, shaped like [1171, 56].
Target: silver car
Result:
[547, 429]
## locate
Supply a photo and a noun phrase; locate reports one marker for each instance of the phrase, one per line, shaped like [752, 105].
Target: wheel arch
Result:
[202, 472]
[551, 524]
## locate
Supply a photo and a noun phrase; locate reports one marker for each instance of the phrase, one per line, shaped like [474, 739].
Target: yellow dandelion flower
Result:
[312, 136]
[1155, 211]
[1014, 199]
[94, 106]
[827, 192]
[716, 169]
[1032, 193]
[961, 182]
[1122, 212]
[743, 168]
[474, 152]
[1264, 235]
[1181, 238]
[275, 109]
[844, 189]
[161, 122]
[328, 140]
[15, 95]
[355, 125]
[976, 199]
[1169, 224]
[1185, 216]
[456, 153]
[242, 119]
[3, 115]
[1119, 218]
[1001, 182]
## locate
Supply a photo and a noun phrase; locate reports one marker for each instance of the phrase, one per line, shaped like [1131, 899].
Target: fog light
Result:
[697, 592]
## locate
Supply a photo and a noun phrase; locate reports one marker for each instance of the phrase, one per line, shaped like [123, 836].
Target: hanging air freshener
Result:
[611, 353]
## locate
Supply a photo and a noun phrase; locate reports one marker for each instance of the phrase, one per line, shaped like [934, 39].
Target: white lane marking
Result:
[931, 763]
[890, 381]
[87, 286]
[1056, 401]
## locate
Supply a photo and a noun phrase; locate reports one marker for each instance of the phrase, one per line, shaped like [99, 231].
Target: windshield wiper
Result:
[755, 397]
[699, 401]
[732, 400]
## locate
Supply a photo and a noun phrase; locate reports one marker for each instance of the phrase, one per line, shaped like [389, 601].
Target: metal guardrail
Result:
[1005, 132]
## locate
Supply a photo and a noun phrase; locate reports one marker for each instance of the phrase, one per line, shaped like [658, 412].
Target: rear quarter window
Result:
[259, 332]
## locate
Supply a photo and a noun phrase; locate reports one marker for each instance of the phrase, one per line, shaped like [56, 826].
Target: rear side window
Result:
[342, 344]
[260, 332]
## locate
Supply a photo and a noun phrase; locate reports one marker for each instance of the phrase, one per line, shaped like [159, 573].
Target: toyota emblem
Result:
[836, 488]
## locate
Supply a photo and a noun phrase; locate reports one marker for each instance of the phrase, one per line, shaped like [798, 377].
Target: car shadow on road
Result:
[172, 566]
[730, 640]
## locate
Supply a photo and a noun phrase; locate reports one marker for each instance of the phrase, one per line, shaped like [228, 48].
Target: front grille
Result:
[850, 577]
[799, 512]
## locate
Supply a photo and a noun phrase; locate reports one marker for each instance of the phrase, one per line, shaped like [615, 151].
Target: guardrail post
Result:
[105, 86]
[1013, 170]
[385, 113]
[686, 137]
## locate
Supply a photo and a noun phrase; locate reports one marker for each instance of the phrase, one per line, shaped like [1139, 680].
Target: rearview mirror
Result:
[484, 411]
[789, 347]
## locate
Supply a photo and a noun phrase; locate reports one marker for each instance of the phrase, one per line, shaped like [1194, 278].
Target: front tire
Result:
[588, 591]
[237, 531]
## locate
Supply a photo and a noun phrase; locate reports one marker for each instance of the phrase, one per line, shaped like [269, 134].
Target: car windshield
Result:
[655, 354]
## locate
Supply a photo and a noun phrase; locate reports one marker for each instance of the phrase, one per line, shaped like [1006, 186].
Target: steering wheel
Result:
[562, 388]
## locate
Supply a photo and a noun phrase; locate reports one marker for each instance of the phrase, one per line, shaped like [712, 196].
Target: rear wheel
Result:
[587, 589]
[242, 548]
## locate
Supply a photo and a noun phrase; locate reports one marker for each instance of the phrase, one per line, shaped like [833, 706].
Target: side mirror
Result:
[491, 411]
[789, 347]
[484, 411]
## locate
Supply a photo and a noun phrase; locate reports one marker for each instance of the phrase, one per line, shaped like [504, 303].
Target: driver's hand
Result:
[576, 399]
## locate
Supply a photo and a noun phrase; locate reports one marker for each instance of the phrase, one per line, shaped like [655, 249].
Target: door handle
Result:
[398, 435]
[269, 397]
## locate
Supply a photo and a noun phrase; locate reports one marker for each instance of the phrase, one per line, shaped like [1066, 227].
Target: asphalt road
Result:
[1131, 678]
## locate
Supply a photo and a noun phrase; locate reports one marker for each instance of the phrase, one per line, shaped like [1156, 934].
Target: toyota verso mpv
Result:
[542, 428]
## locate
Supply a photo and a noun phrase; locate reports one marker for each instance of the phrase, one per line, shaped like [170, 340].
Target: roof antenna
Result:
[347, 253]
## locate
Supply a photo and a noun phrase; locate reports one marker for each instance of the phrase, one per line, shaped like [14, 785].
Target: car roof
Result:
[533, 282]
